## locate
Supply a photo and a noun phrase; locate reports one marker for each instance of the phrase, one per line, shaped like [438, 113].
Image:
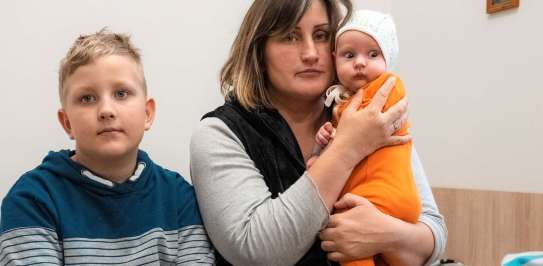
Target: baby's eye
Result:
[121, 94]
[87, 99]
[374, 54]
[348, 55]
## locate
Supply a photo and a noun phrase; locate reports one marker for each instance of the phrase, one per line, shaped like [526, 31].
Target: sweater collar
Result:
[61, 165]
[87, 173]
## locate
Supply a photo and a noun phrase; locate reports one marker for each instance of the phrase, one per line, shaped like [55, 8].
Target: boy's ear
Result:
[150, 108]
[65, 122]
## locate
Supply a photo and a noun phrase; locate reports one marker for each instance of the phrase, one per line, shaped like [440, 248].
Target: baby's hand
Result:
[325, 134]
[311, 160]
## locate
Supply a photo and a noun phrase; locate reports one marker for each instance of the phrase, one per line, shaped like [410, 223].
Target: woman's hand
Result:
[362, 231]
[362, 131]
[359, 133]
[359, 232]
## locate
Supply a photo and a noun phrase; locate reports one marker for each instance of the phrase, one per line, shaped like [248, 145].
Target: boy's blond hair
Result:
[88, 48]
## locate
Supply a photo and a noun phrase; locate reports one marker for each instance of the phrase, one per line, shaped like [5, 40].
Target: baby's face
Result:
[359, 59]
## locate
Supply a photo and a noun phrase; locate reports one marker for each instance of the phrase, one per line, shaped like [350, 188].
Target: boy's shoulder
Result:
[41, 178]
[181, 192]
[165, 173]
[31, 196]
[167, 177]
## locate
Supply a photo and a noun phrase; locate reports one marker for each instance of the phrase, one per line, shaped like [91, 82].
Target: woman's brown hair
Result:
[243, 75]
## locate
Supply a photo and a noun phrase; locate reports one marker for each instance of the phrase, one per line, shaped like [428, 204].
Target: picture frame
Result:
[493, 6]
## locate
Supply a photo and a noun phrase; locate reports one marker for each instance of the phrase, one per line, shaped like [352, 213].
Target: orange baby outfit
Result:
[385, 177]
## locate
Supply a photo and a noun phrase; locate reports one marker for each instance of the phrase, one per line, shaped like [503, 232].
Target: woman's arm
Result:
[364, 231]
[430, 232]
[430, 215]
[245, 224]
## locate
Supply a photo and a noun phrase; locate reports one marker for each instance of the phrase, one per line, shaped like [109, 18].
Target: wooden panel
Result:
[486, 225]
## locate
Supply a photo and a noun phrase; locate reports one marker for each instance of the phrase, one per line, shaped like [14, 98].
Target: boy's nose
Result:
[106, 115]
[107, 111]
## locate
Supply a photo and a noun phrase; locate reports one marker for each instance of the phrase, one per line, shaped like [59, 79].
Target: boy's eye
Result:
[321, 36]
[374, 54]
[87, 99]
[121, 94]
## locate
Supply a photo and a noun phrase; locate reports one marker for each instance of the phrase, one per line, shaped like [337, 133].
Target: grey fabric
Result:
[245, 224]
[430, 213]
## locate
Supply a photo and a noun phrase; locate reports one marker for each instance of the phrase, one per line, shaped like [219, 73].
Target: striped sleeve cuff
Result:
[32, 245]
[194, 246]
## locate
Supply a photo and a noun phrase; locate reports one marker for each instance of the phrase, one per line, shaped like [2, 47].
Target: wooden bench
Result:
[485, 225]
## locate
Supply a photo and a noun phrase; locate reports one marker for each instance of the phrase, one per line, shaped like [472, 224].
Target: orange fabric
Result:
[385, 177]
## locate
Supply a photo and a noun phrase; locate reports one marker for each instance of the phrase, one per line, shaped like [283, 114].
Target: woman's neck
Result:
[304, 119]
[297, 111]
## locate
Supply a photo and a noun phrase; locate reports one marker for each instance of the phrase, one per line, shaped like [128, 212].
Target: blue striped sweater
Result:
[62, 214]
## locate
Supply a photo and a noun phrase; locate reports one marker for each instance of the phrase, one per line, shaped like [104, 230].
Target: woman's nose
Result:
[310, 55]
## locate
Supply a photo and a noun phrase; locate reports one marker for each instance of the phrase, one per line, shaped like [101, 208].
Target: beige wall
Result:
[471, 78]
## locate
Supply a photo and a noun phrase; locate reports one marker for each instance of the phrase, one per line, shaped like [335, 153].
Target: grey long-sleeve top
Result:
[246, 225]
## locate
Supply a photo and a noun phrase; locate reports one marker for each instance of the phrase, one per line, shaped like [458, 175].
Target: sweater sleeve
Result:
[244, 223]
[430, 215]
[193, 243]
[28, 234]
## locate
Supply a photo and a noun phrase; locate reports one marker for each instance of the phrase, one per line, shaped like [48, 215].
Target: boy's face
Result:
[106, 110]
[359, 60]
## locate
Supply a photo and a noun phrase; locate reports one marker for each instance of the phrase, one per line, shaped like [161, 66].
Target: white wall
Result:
[471, 78]
[183, 46]
[476, 91]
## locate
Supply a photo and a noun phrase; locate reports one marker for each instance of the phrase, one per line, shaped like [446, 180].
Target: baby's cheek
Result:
[343, 73]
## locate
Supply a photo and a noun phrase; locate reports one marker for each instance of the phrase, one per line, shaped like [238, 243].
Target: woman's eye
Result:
[87, 99]
[291, 37]
[322, 36]
[121, 94]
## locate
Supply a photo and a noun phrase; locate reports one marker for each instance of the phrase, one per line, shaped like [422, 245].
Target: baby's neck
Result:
[116, 170]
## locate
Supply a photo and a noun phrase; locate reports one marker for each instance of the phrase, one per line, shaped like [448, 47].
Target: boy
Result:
[106, 202]
[367, 47]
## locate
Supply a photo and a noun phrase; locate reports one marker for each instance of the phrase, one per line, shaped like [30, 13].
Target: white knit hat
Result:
[380, 27]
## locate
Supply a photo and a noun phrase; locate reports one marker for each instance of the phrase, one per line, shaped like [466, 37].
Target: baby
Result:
[366, 48]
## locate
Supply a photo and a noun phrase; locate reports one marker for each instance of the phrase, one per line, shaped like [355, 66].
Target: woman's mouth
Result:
[309, 73]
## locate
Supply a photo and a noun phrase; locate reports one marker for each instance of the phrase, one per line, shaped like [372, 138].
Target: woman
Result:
[259, 203]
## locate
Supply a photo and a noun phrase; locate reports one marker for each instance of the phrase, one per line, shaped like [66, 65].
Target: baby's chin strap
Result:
[333, 94]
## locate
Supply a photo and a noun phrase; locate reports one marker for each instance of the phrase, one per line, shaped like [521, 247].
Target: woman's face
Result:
[299, 64]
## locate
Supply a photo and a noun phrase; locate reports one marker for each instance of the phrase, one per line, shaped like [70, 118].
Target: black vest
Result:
[271, 145]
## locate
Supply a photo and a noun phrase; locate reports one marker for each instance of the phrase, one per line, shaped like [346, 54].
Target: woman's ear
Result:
[65, 122]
